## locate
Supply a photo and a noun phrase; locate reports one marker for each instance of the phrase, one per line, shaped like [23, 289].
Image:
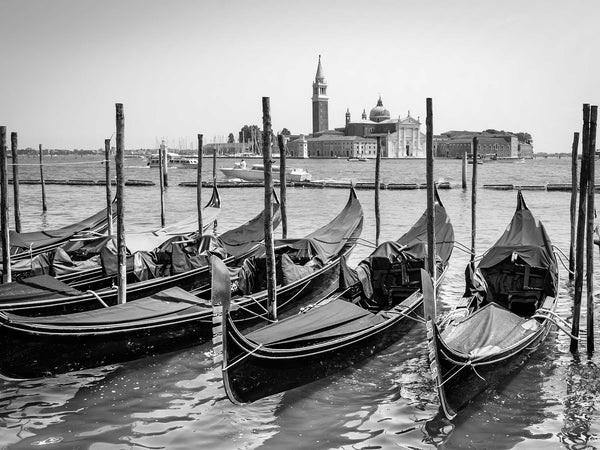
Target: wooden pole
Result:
[573, 204]
[165, 164]
[214, 165]
[108, 186]
[282, 186]
[377, 187]
[161, 183]
[199, 186]
[583, 181]
[474, 202]
[269, 245]
[44, 207]
[121, 247]
[15, 166]
[6, 272]
[430, 192]
[464, 170]
[591, 219]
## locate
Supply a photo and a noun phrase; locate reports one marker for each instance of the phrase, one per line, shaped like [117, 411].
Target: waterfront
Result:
[176, 400]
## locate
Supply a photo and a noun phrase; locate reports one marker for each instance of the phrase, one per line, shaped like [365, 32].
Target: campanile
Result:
[320, 101]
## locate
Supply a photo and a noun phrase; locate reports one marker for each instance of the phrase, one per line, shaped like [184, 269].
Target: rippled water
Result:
[177, 400]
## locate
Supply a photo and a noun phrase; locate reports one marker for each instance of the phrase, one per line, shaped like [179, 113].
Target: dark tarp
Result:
[241, 239]
[525, 241]
[335, 319]
[37, 239]
[164, 303]
[40, 287]
[489, 330]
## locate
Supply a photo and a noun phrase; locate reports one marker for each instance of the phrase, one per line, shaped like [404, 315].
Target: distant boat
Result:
[511, 159]
[175, 160]
[256, 173]
[357, 159]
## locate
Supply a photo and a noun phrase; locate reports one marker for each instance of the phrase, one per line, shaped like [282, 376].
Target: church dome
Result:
[379, 113]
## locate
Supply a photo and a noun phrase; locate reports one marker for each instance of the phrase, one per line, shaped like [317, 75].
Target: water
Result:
[177, 400]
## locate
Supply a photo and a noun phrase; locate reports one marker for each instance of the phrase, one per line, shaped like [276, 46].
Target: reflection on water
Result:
[177, 400]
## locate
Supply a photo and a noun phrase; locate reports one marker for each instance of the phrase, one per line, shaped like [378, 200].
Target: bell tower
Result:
[320, 114]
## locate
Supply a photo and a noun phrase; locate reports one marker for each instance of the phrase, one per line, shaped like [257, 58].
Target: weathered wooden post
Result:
[591, 219]
[6, 269]
[108, 186]
[121, 247]
[573, 204]
[165, 163]
[464, 170]
[15, 166]
[199, 186]
[377, 188]
[282, 186]
[581, 222]
[44, 207]
[430, 193]
[161, 183]
[214, 165]
[269, 245]
[474, 202]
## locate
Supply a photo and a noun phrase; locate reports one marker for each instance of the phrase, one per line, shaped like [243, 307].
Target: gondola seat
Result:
[393, 281]
[527, 299]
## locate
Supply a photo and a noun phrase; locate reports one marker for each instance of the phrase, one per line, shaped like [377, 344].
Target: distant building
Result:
[339, 146]
[297, 147]
[454, 144]
[320, 101]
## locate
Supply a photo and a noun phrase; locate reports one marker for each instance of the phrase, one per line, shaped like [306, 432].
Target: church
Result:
[399, 137]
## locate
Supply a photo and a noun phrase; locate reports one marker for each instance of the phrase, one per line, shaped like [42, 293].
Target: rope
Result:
[554, 320]
[97, 298]
[562, 258]
[242, 358]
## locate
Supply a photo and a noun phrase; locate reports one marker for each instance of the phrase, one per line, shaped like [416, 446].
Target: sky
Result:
[184, 67]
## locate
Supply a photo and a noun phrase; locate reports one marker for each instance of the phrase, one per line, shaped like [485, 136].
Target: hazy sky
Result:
[184, 67]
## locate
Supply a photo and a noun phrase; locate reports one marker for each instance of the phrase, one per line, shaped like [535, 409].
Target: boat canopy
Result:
[525, 240]
[490, 330]
[43, 287]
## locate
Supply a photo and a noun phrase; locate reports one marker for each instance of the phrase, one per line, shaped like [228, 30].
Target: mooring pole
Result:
[161, 183]
[573, 204]
[109, 215]
[464, 170]
[474, 202]
[165, 164]
[121, 247]
[581, 222]
[282, 186]
[269, 245]
[214, 165]
[377, 188]
[15, 167]
[430, 194]
[6, 269]
[591, 219]
[199, 187]
[44, 207]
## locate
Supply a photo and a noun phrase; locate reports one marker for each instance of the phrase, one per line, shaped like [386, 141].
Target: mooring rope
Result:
[97, 298]
[243, 357]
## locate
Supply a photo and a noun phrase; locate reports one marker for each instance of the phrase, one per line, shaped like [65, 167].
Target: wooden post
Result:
[199, 187]
[6, 269]
[377, 187]
[121, 247]
[474, 202]
[269, 245]
[161, 183]
[282, 186]
[214, 165]
[591, 219]
[464, 170]
[165, 164]
[15, 166]
[108, 186]
[581, 222]
[44, 207]
[573, 204]
[430, 193]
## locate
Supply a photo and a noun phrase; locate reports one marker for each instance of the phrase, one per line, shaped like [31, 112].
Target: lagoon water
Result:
[176, 400]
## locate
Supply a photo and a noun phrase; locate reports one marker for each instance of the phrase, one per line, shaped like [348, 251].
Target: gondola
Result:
[77, 262]
[374, 306]
[186, 266]
[170, 319]
[505, 314]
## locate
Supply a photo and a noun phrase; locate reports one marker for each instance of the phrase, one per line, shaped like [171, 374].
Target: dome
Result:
[379, 113]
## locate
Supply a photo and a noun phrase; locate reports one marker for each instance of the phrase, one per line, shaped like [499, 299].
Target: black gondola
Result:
[173, 318]
[374, 306]
[505, 314]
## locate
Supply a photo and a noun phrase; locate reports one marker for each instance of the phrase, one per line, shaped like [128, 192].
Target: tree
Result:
[231, 138]
[251, 135]
[285, 132]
